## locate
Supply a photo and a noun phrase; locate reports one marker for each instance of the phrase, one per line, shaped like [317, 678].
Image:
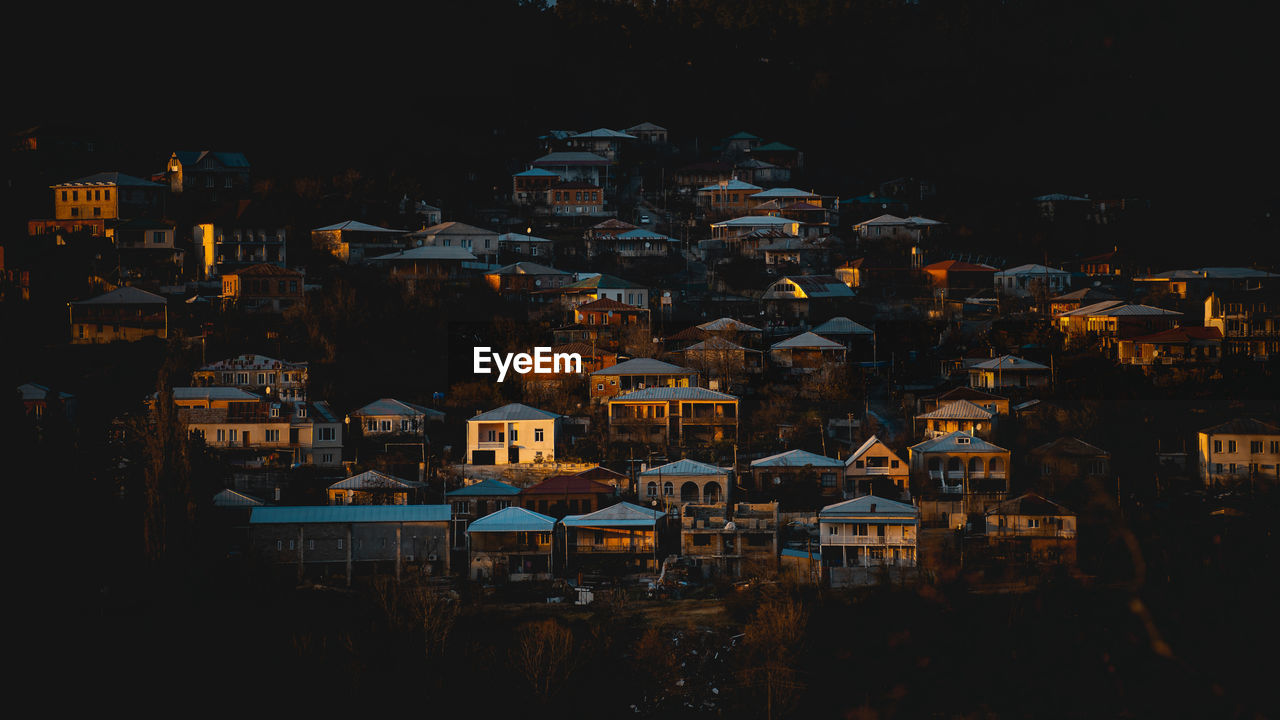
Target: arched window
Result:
[935, 464]
[954, 464]
[652, 489]
[975, 467]
[668, 489]
[711, 492]
[997, 466]
[689, 492]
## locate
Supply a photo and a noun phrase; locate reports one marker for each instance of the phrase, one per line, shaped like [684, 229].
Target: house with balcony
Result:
[726, 198]
[961, 415]
[797, 477]
[968, 468]
[997, 404]
[725, 364]
[525, 245]
[599, 286]
[638, 374]
[126, 314]
[866, 538]
[685, 481]
[225, 247]
[376, 488]
[620, 538]
[513, 433]
[1179, 346]
[513, 544]
[603, 323]
[1032, 280]
[807, 353]
[578, 166]
[1239, 449]
[255, 432]
[529, 187]
[1031, 528]
[1077, 299]
[388, 417]
[353, 242]
[1110, 321]
[476, 500]
[673, 417]
[481, 242]
[893, 228]
[734, 540]
[1249, 321]
[1069, 463]
[846, 332]
[262, 288]
[1199, 283]
[806, 298]
[284, 380]
[604, 142]
[875, 469]
[561, 495]
[425, 265]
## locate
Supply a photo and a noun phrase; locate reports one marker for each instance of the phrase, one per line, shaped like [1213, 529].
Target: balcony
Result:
[860, 540]
[639, 547]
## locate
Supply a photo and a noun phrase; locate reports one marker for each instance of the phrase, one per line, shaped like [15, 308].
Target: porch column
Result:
[349, 559]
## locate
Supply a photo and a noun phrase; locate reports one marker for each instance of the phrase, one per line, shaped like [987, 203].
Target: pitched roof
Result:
[958, 410]
[536, 172]
[513, 411]
[603, 281]
[797, 458]
[754, 220]
[126, 295]
[604, 133]
[726, 323]
[807, 340]
[951, 442]
[484, 488]
[1181, 335]
[869, 506]
[1008, 362]
[601, 473]
[1243, 426]
[527, 268]
[818, 286]
[968, 393]
[684, 467]
[733, 184]
[785, 192]
[451, 228]
[885, 219]
[511, 237]
[609, 304]
[1070, 446]
[715, 343]
[212, 393]
[569, 485]
[231, 498]
[670, 393]
[513, 519]
[642, 234]
[623, 514]
[391, 406]
[865, 447]
[842, 326]
[264, 269]
[1029, 504]
[644, 366]
[1090, 293]
[959, 266]
[103, 179]
[226, 159]
[1117, 308]
[349, 514]
[427, 252]
[1211, 273]
[356, 226]
[556, 159]
[34, 391]
[775, 147]
[1032, 269]
[374, 480]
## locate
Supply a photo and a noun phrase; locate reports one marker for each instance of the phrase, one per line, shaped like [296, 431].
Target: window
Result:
[64, 196]
[652, 489]
[302, 411]
[1033, 523]
[273, 436]
[242, 378]
[1274, 447]
[668, 489]
[859, 464]
[404, 426]
[326, 458]
[599, 386]
[311, 544]
[828, 479]
[1231, 446]
[513, 435]
[893, 464]
[227, 185]
[75, 195]
[327, 433]
[262, 378]
[537, 434]
[235, 435]
[386, 426]
[1217, 446]
[290, 544]
[339, 543]
[1255, 446]
[75, 212]
[222, 435]
[275, 411]
[833, 529]
[157, 237]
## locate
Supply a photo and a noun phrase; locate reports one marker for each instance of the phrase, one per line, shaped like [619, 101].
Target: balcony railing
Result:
[618, 548]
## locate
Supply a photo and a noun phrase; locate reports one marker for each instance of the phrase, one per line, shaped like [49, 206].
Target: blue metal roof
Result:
[797, 458]
[513, 519]
[621, 515]
[870, 507]
[349, 514]
[485, 487]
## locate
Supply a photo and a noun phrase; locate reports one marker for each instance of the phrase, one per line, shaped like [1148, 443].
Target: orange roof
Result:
[264, 269]
[609, 304]
[959, 266]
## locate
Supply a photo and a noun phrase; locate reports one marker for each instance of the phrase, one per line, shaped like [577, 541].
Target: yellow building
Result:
[108, 196]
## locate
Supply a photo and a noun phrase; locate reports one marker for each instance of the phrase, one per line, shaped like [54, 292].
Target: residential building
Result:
[1197, 284]
[1032, 528]
[599, 286]
[376, 488]
[89, 203]
[258, 374]
[723, 363]
[578, 166]
[1110, 321]
[529, 188]
[513, 433]
[1067, 462]
[523, 278]
[353, 241]
[1249, 321]
[602, 141]
[388, 417]
[638, 374]
[126, 314]
[797, 475]
[1181, 346]
[620, 538]
[779, 154]
[875, 469]
[1008, 371]
[561, 495]
[950, 275]
[898, 229]
[481, 242]
[807, 353]
[730, 540]
[757, 171]
[211, 176]
[1032, 280]
[574, 199]
[511, 545]
[805, 298]
[425, 265]
[726, 198]
[343, 540]
[1239, 449]
[845, 331]
[254, 432]
[998, 404]
[526, 245]
[960, 464]
[224, 248]
[1077, 299]
[685, 481]
[35, 401]
[476, 500]
[960, 415]
[866, 537]
[673, 416]
[636, 243]
[648, 133]
[263, 288]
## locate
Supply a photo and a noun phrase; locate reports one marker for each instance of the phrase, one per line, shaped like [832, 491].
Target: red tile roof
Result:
[568, 485]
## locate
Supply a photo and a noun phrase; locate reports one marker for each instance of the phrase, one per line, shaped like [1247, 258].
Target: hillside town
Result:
[687, 408]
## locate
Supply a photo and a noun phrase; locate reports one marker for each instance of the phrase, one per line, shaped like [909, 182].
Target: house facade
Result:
[1239, 449]
[875, 469]
[735, 540]
[673, 416]
[127, 314]
[513, 544]
[513, 433]
[865, 537]
[685, 481]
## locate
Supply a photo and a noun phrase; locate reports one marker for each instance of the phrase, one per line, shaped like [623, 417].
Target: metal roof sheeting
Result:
[685, 467]
[621, 515]
[958, 410]
[644, 366]
[862, 507]
[513, 519]
[514, 411]
[797, 458]
[391, 406]
[951, 442]
[807, 340]
[689, 393]
[842, 326]
[484, 488]
[349, 514]
[125, 296]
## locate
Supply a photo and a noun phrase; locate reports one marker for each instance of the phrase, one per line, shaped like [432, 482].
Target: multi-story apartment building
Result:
[254, 432]
[263, 288]
[736, 540]
[1249, 321]
[1239, 449]
[673, 416]
[258, 374]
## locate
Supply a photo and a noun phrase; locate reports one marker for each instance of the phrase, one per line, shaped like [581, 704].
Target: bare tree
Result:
[773, 641]
[543, 655]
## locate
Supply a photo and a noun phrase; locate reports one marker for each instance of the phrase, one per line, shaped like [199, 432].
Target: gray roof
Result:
[34, 391]
[862, 507]
[570, 158]
[807, 340]
[797, 458]
[349, 514]
[103, 179]
[1008, 363]
[1030, 504]
[841, 326]
[521, 237]
[754, 221]
[604, 133]
[734, 184]
[726, 323]
[716, 344]
[212, 393]
[783, 193]
[1243, 426]
[374, 480]
[623, 514]
[513, 519]
[514, 411]
[451, 228]
[958, 410]
[644, 366]
[1211, 273]
[227, 159]
[231, 498]
[125, 296]
[670, 393]
[951, 442]
[391, 406]
[527, 268]
[484, 488]
[1031, 269]
[356, 226]
[684, 467]
[1117, 308]
[251, 361]
[427, 252]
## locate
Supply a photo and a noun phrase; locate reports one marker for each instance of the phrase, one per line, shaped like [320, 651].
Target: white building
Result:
[860, 536]
[513, 433]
